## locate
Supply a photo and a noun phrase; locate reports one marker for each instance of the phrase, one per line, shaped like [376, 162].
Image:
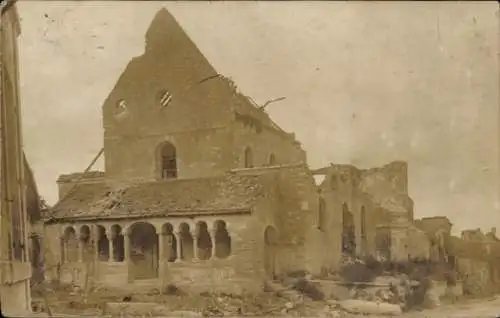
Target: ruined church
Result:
[203, 190]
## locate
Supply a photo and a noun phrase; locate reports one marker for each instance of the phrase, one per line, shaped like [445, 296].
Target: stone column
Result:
[81, 248]
[178, 246]
[64, 250]
[126, 255]
[162, 260]
[109, 235]
[214, 243]
[95, 242]
[161, 247]
[126, 247]
[194, 234]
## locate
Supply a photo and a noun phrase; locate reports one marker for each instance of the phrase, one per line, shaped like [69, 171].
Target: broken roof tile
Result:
[101, 200]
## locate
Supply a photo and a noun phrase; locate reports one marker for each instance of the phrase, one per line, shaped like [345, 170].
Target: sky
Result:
[365, 83]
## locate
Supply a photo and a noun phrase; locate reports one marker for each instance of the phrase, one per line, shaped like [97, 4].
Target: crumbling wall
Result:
[264, 143]
[385, 181]
[476, 264]
[67, 182]
[343, 197]
[418, 244]
[52, 251]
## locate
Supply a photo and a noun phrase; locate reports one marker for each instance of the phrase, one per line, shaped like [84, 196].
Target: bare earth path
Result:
[484, 308]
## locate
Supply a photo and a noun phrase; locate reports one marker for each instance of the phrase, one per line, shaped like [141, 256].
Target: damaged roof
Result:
[161, 198]
[77, 175]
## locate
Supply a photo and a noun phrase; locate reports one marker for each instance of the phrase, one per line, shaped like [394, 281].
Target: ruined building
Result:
[201, 188]
[19, 207]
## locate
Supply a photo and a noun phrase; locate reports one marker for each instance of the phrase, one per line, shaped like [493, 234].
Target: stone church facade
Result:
[202, 189]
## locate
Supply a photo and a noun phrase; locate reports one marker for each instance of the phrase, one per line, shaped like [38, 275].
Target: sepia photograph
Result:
[331, 159]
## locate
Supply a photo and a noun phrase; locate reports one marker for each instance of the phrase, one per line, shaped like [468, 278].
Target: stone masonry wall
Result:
[339, 188]
[264, 142]
[199, 153]
[241, 272]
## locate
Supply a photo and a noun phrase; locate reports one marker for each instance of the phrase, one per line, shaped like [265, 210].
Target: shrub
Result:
[357, 272]
[308, 289]
[171, 289]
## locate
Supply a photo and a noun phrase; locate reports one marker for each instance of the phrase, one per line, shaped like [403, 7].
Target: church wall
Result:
[263, 143]
[339, 189]
[199, 153]
[229, 274]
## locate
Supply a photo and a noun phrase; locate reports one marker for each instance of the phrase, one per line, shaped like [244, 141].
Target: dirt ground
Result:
[70, 301]
[483, 308]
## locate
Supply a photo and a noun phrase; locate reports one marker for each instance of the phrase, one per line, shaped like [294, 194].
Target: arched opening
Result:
[86, 243]
[270, 250]
[272, 159]
[348, 232]
[204, 241]
[70, 245]
[36, 259]
[222, 240]
[248, 158]
[383, 242]
[364, 238]
[321, 214]
[187, 251]
[118, 243]
[143, 251]
[168, 161]
[102, 244]
[170, 242]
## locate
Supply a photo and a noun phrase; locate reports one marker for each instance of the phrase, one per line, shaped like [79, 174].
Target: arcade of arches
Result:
[143, 247]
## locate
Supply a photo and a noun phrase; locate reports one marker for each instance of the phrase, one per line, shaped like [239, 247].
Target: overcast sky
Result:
[365, 83]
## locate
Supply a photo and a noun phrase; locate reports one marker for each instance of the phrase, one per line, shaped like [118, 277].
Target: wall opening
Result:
[86, 243]
[168, 161]
[102, 244]
[270, 250]
[70, 245]
[118, 243]
[364, 238]
[348, 232]
[170, 242]
[321, 214]
[17, 231]
[272, 160]
[204, 241]
[187, 251]
[36, 260]
[143, 251]
[248, 158]
[222, 240]
[383, 243]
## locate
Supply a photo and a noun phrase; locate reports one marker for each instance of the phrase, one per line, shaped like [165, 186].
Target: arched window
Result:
[248, 158]
[363, 222]
[222, 240]
[348, 231]
[168, 161]
[321, 214]
[364, 239]
[272, 160]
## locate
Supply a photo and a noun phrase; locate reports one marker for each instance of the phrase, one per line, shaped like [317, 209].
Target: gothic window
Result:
[363, 222]
[348, 231]
[248, 158]
[272, 159]
[364, 239]
[321, 214]
[168, 161]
